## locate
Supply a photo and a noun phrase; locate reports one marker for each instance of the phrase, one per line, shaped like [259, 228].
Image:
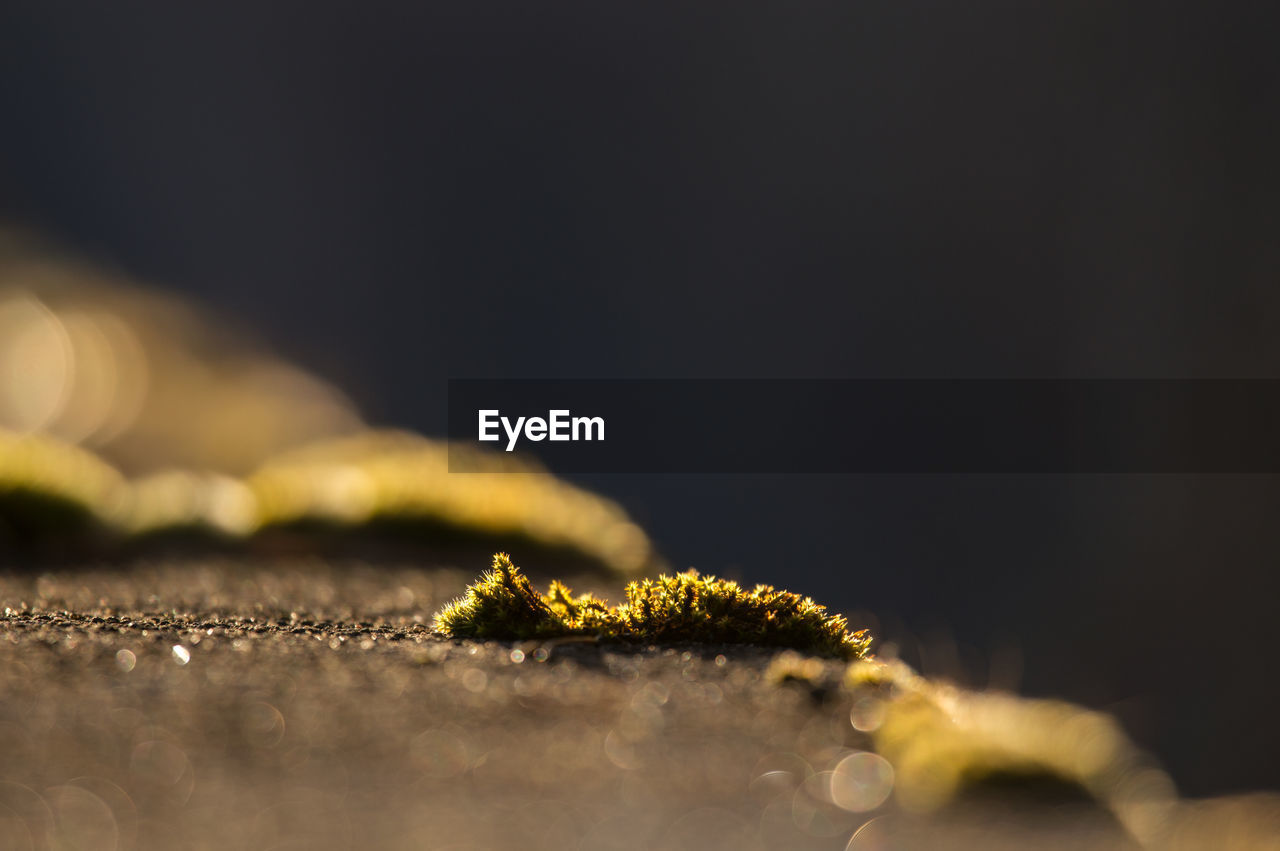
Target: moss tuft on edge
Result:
[686, 607]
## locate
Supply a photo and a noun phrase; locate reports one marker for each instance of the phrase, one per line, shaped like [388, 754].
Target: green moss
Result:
[686, 607]
[502, 604]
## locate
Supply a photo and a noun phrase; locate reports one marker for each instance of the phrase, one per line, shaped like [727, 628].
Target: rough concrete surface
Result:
[306, 704]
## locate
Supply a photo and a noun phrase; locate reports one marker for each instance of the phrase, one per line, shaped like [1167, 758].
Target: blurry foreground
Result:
[303, 704]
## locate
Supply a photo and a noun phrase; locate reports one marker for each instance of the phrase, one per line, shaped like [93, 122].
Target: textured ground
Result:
[305, 704]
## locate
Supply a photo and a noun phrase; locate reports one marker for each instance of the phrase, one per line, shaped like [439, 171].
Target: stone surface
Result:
[306, 704]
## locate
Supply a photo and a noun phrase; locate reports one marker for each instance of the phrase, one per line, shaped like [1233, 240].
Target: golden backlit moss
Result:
[503, 604]
[686, 607]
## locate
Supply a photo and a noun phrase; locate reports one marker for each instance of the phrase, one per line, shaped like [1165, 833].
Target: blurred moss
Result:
[397, 477]
[183, 501]
[51, 491]
[683, 608]
[792, 667]
[153, 417]
[943, 740]
[377, 482]
[149, 381]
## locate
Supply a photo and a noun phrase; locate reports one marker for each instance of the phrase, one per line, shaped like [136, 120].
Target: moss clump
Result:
[681, 608]
[502, 604]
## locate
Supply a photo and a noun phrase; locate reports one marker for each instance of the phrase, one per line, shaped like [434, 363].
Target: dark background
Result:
[398, 193]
